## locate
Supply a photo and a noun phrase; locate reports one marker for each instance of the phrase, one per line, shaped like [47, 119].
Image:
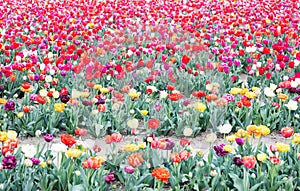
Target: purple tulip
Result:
[1, 88]
[239, 141]
[36, 77]
[220, 151]
[63, 73]
[100, 101]
[35, 161]
[170, 144]
[186, 102]
[292, 90]
[297, 98]
[9, 162]
[10, 106]
[64, 98]
[48, 137]
[237, 161]
[110, 177]
[129, 169]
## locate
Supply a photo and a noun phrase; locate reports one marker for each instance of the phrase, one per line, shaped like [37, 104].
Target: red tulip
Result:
[274, 159]
[249, 161]
[287, 132]
[68, 140]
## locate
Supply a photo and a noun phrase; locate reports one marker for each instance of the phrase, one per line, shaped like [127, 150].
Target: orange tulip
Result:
[92, 162]
[161, 174]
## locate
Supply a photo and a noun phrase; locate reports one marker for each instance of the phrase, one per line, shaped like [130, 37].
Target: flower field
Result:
[225, 72]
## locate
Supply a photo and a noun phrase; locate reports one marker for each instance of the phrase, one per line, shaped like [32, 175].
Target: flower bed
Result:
[159, 68]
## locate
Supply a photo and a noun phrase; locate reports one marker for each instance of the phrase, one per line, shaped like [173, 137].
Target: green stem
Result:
[246, 179]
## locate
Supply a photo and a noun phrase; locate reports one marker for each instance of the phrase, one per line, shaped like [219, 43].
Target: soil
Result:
[196, 143]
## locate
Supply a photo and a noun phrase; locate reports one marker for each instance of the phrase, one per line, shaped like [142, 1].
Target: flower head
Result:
[237, 161]
[92, 162]
[129, 169]
[48, 137]
[68, 140]
[74, 153]
[220, 151]
[35, 161]
[249, 161]
[9, 105]
[135, 159]
[153, 123]
[274, 160]
[110, 177]
[239, 141]
[9, 162]
[261, 157]
[281, 147]
[161, 174]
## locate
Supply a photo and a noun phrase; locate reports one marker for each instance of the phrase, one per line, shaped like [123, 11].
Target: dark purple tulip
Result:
[110, 177]
[129, 169]
[292, 90]
[10, 106]
[237, 161]
[298, 91]
[239, 141]
[220, 151]
[48, 137]
[35, 161]
[1, 88]
[9, 162]
[64, 98]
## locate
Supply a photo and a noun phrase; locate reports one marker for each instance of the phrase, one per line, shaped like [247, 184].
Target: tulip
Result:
[48, 137]
[238, 161]
[287, 132]
[110, 177]
[249, 161]
[129, 169]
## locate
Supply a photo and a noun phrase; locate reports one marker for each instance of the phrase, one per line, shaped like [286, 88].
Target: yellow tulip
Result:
[59, 107]
[144, 112]
[3, 136]
[74, 153]
[261, 157]
[200, 106]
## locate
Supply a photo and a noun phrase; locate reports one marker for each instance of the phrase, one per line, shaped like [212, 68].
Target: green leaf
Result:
[238, 182]
[79, 187]
[255, 187]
